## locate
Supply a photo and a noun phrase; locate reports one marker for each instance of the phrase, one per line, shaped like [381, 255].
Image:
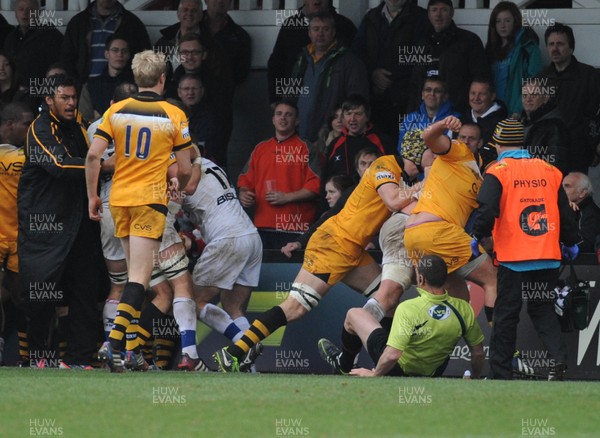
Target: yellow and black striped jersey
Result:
[146, 130]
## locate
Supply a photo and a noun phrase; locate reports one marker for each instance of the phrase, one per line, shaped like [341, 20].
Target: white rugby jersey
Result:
[105, 178]
[215, 207]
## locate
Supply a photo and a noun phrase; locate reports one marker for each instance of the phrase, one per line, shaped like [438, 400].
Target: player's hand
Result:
[381, 80]
[95, 208]
[276, 198]
[247, 198]
[452, 123]
[475, 247]
[291, 247]
[173, 184]
[362, 372]
[570, 252]
[108, 165]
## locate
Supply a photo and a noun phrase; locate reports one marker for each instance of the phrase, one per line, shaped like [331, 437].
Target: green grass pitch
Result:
[170, 404]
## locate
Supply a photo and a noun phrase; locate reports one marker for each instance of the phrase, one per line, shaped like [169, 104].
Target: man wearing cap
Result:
[523, 205]
[455, 54]
[436, 225]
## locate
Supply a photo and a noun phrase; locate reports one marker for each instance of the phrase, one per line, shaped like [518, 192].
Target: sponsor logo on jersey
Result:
[439, 312]
[385, 175]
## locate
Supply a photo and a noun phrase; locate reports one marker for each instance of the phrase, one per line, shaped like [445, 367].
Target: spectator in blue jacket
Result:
[434, 106]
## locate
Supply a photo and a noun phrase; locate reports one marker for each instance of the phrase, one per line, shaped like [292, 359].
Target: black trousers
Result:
[77, 288]
[536, 289]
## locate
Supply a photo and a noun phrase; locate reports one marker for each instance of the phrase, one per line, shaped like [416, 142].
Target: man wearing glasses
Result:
[97, 92]
[206, 60]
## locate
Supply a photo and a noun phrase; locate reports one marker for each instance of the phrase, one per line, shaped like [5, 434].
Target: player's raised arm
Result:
[435, 137]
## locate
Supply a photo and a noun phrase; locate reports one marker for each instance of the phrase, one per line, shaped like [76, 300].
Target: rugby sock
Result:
[262, 327]
[351, 346]
[386, 323]
[22, 335]
[219, 320]
[109, 312]
[131, 334]
[128, 308]
[184, 311]
[148, 320]
[164, 350]
[242, 324]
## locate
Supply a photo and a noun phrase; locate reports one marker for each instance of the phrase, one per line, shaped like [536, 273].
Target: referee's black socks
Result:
[351, 346]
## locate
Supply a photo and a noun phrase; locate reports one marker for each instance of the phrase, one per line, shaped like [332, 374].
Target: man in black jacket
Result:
[234, 39]
[486, 111]
[578, 95]
[58, 246]
[386, 42]
[455, 54]
[293, 36]
[32, 39]
[328, 72]
[578, 188]
[82, 49]
[546, 135]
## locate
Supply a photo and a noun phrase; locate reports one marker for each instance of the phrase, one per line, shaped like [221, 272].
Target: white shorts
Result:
[170, 236]
[397, 266]
[111, 245]
[226, 262]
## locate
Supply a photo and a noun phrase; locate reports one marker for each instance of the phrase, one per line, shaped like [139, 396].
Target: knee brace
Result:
[174, 266]
[305, 295]
[169, 269]
[157, 277]
[117, 277]
[399, 273]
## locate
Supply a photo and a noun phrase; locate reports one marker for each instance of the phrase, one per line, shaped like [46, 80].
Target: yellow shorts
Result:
[328, 260]
[441, 238]
[143, 221]
[8, 256]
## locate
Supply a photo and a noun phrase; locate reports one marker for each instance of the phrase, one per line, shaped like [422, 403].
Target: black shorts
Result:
[376, 343]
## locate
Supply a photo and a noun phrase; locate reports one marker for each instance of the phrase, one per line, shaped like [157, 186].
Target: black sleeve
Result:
[589, 227]
[44, 149]
[489, 206]
[569, 229]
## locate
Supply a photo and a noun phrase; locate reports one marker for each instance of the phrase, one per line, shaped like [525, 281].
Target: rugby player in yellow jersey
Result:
[146, 130]
[436, 225]
[334, 253]
[15, 120]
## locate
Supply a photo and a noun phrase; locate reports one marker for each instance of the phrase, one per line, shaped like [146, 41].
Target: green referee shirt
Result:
[426, 330]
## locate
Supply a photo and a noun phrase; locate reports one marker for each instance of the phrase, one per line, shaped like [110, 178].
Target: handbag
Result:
[572, 302]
